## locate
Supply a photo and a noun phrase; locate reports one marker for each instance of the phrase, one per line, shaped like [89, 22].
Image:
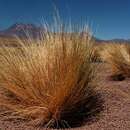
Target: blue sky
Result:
[108, 18]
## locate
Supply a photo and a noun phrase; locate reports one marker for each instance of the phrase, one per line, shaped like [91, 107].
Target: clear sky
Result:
[108, 18]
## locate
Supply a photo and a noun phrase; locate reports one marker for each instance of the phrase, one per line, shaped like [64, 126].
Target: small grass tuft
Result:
[118, 56]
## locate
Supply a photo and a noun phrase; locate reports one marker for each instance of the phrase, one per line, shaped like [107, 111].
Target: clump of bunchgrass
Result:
[49, 81]
[118, 56]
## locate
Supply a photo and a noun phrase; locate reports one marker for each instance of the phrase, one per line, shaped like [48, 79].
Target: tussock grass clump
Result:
[118, 56]
[96, 53]
[51, 81]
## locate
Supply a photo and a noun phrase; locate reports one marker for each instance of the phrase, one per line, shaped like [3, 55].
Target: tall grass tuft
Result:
[118, 56]
[49, 81]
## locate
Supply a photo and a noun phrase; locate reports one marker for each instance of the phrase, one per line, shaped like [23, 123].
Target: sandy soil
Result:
[116, 113]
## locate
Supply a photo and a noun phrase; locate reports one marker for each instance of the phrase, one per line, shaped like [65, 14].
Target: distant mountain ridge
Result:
[23, 30]
[121, 40]
[117, 40]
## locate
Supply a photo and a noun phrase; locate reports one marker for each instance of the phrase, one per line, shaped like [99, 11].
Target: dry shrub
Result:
[51, 81]
[118, 56]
